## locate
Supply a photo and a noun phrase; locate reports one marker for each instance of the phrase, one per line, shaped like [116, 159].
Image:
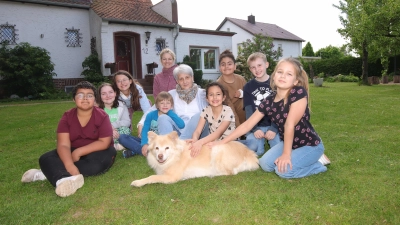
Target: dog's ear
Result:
[151, 135]
[173, 135]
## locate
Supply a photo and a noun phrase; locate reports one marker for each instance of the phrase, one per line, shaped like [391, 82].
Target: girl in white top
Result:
[130, 92]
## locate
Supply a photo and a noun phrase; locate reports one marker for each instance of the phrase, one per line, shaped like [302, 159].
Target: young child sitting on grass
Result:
[164, 104]
[254, 91]
[298, 154]
[218, 118]
[84, 145]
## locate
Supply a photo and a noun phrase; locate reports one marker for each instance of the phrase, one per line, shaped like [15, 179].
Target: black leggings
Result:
[89, 165]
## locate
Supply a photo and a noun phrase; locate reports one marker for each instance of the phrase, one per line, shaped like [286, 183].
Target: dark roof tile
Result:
[129, 10]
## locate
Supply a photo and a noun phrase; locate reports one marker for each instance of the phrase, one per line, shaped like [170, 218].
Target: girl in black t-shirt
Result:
[301, 151]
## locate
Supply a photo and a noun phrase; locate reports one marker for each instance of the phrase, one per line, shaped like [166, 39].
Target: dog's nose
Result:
[160, 156]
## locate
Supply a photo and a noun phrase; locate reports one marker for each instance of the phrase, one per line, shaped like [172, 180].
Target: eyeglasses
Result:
[82, 96]
[122, 81]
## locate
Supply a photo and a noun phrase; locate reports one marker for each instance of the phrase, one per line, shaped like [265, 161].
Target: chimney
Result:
[174, 11]
[251, 19]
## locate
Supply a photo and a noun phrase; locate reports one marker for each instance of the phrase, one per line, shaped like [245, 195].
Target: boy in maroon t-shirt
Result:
[84, 145]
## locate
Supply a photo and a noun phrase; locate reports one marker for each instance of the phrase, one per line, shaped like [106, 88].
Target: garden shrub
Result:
[344, 65]
[26, 70]
[342, 78]
[92, 69]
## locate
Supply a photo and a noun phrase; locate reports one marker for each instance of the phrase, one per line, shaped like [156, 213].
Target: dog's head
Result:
[163, 147]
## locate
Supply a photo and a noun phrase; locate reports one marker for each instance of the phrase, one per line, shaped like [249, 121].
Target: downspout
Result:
[177, 33]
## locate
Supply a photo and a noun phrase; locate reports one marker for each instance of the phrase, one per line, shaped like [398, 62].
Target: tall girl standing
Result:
[130, 92]
[299, 153]
[116, 110]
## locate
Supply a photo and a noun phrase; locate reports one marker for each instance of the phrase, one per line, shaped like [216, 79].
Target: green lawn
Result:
[358, 124]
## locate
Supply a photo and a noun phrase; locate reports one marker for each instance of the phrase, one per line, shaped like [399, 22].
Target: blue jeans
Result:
[304, 161]
[166, 125]
[131, 143]
[260, 149]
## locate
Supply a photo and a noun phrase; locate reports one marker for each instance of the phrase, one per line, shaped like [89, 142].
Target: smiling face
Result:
[107, 95]
[215, 96]
[227, 66]
[123, 83]
[164, 106]
[258, 68]
[167, 61]
[185, 81]
[84, 99]
[285, 76]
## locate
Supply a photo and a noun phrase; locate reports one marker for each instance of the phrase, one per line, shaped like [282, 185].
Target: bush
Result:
[92, 69]
[346, 65]
[26, 70]
[343, 78]
[204, 83]
[198, 74]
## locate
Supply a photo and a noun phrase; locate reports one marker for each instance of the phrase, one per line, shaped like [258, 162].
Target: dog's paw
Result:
[137, 183]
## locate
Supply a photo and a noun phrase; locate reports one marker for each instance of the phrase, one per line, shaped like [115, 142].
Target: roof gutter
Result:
[40, 2]
[138, 23]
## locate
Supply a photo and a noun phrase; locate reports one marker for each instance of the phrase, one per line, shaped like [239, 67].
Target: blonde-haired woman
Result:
[165, 80]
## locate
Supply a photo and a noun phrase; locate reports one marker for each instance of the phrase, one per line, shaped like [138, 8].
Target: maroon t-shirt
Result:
[304, 133]
[99, 126]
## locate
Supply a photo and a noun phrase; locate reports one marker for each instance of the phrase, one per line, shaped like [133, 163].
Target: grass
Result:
[358, 124]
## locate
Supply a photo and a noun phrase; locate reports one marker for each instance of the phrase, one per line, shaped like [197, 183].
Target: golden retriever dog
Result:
[170, 158]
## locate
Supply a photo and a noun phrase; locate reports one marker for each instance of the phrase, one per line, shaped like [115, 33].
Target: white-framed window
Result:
[8, 34]
[205, 58]
[73, 37]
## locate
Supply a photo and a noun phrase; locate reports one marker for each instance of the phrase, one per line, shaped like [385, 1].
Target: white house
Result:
[127, 34]
[290, 44]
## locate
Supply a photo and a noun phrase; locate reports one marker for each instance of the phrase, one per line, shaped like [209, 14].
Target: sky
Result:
[315, 21]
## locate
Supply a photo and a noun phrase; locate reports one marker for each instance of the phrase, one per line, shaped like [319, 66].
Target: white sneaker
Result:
[68, 185]
[119, 147]
[33, 175]
[324, 160]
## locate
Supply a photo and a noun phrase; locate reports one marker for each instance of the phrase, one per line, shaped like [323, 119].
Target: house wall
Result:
[32, 20]
[149, 53]
[187, 40]
[95, 30]
[290, 48]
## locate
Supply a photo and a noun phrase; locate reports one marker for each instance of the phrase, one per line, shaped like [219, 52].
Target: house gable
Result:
[270, 30]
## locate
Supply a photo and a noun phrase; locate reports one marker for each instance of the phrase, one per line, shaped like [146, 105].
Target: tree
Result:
[26, 70]
[308, 50]
[260, 43]
[329, 52]
[371, 26]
